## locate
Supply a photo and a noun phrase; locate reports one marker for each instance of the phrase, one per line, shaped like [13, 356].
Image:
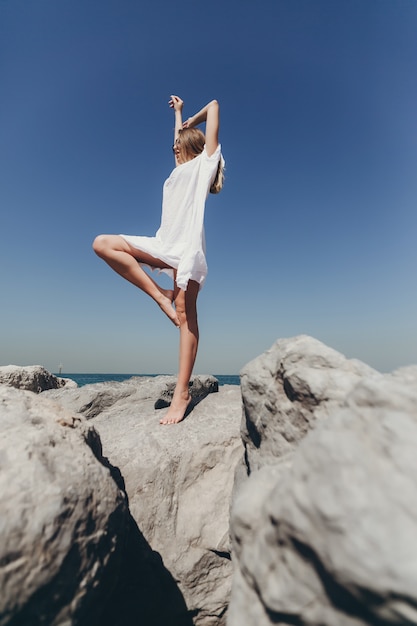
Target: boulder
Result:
[199, 386]
[286, 390]
[91, 400]
[407, 374]
[323, 531]
[178, 479]
[32, 378]
[62, 516]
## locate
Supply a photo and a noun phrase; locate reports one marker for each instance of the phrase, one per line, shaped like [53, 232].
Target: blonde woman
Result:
[178, 248]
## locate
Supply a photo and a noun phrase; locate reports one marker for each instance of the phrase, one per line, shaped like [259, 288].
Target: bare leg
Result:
[186, 305]
[123, 259]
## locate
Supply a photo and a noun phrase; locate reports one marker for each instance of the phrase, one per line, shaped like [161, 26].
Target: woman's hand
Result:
[190, 123]
[176, 103]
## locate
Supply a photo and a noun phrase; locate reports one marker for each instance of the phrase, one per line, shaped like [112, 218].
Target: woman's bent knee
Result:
[99, 244]
[102, 244]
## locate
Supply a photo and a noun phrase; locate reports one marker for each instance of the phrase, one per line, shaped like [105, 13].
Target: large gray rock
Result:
[32, 378]
[286, 390]
[199, 386]
[91, 400]
[407, 374]
[325, 534]
[178, 479]
[62, 516]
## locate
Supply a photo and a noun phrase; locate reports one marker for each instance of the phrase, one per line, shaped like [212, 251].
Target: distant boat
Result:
[60, 368]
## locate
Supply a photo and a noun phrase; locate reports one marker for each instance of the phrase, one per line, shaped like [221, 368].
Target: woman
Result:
[178, 247]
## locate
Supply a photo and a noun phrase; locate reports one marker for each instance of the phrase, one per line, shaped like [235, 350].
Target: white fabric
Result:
[179, 241]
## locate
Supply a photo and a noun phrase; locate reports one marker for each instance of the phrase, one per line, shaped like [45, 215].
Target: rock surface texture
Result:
[32, 378]
[325, 517]
[62, 516]
[287, 390]
[200, 387]
[178, 478]
[108, 518]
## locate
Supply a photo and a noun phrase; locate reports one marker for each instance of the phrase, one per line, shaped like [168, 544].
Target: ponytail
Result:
[218, 181]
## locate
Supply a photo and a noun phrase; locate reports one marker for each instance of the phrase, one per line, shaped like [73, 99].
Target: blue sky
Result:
[315, 230]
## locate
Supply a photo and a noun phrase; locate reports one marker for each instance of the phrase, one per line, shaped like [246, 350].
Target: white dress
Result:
[179, 241]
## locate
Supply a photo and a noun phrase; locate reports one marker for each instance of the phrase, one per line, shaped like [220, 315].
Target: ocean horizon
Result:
[89, 379]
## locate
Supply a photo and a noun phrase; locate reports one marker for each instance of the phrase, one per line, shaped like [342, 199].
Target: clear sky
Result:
[316, 229]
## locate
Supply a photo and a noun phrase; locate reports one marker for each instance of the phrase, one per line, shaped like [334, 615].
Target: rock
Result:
[146, 593]
[91, 400]
[178, 479]
[68, 383]
[286, 390]
[32, 378]
[62, 516]
[200, 387]
[323, 531]
[407, 374]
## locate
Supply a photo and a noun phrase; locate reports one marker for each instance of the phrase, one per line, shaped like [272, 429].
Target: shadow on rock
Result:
[199, 387]
[146, 594]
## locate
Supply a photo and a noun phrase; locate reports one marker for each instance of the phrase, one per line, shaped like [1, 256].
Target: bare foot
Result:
[165, 304]
[176, 411]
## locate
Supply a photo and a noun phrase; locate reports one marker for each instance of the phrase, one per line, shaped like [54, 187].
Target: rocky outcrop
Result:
[323, 525]
[62, 516]
[32, 378]
[178, 480]
[324, 510]
[91, 400]
[199, 386]
[287, 390]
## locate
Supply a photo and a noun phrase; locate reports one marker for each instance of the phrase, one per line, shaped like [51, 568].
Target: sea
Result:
[88, 379]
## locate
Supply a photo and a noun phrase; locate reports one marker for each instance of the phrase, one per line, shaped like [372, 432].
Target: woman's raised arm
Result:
[210, 114]
[176, 103]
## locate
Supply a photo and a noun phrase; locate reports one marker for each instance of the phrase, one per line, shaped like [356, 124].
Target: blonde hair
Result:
[191, 143]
